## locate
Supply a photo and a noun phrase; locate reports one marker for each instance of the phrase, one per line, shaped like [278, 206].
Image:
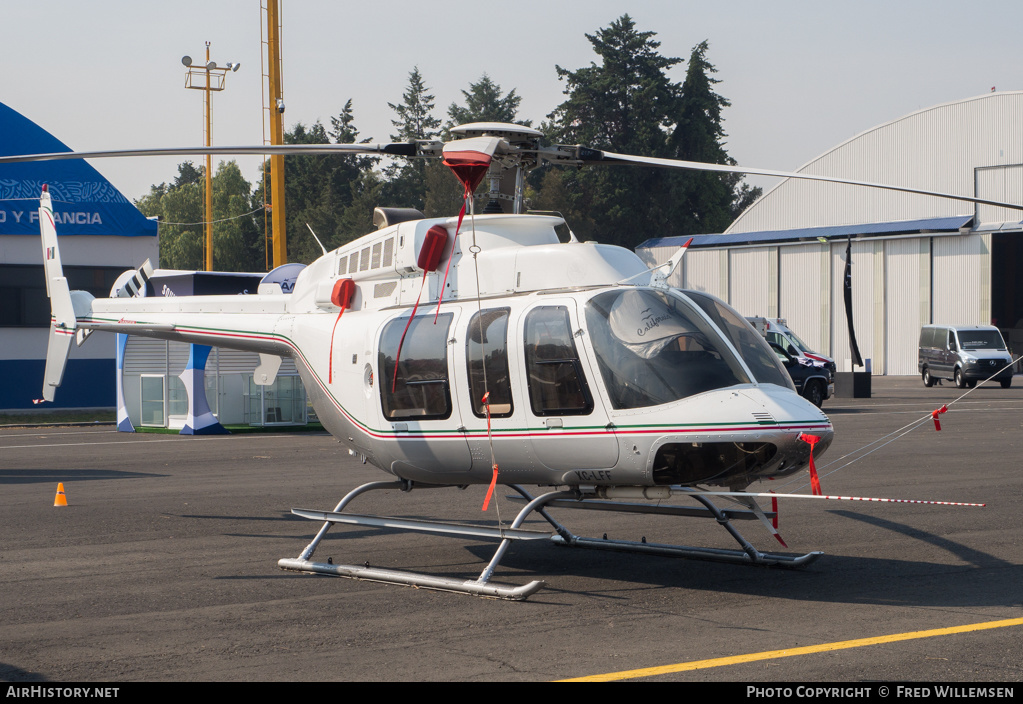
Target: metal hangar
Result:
[915, 259]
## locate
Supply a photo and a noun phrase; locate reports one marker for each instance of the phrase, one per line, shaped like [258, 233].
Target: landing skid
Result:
[562, 536]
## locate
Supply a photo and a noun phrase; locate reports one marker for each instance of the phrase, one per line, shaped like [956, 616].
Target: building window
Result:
[23, 301]
[154, 407]
[280, 403]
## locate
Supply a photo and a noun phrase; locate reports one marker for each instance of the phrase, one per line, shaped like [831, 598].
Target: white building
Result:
[915, 259]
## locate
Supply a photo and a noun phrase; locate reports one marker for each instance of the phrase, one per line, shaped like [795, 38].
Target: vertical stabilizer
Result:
[62, 312]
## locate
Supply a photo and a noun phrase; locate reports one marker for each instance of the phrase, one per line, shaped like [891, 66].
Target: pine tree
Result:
[415, 113]
[625, 103]
[704, 202]
[484, 103]
[325, 192]
[628, 104]
[406, 179]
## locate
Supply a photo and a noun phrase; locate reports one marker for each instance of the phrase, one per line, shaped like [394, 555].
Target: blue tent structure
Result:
[84, 202]
[86, 205]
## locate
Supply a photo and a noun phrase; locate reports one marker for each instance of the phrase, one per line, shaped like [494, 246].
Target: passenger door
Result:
[568, 425]
[493, 428]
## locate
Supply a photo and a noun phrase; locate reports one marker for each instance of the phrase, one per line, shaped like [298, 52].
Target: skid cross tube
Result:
[536, 504]
[311, 547]
[479, 587]
[748, 555]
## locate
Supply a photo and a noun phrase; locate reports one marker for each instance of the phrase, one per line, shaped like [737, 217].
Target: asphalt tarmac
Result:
[164, 566]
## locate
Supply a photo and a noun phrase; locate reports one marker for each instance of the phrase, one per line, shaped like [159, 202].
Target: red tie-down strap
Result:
[493, 479]
[934, 415]
[815, 482]
[469, 168]
[774, 521]
[341, 296]
[429, 259]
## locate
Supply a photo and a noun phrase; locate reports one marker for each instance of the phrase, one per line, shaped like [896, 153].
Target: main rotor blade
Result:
[593, 155]
[392, 149]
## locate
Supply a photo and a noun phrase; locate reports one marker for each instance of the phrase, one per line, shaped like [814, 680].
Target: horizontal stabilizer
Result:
[130, 327]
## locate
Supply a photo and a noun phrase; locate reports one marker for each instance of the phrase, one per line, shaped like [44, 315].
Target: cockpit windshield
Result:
[654, 348]
[751, 346]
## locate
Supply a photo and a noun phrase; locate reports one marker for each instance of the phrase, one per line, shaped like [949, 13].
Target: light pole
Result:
[208, 78]
[273, 24]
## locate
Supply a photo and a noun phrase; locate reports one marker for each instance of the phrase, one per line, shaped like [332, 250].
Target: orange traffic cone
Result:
[60, 499]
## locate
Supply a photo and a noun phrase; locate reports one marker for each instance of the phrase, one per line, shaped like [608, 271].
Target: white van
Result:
[964, 354]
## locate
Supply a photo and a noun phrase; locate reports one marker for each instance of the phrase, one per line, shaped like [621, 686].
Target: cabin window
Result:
[420, 390]
[557, 385]
[486, 352]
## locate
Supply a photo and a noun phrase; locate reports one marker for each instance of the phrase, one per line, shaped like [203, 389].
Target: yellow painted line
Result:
[790, 652]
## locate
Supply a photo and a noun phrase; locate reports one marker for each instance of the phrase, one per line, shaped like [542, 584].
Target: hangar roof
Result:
[901, 227]
[969, 146]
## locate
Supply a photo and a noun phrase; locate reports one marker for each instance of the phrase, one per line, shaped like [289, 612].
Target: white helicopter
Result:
[450, 353]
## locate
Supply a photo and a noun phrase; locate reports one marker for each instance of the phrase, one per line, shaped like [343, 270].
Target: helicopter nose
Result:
[775, 404]
[764, 439]
[794, 416]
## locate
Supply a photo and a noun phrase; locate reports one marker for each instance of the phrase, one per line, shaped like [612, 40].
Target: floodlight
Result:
[186, 60]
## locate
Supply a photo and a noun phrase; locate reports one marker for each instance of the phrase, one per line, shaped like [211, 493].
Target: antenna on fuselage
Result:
[657, 278]
[316, 238]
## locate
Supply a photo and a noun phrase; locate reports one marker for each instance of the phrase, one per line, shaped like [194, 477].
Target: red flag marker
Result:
[815, 482]
[490, 491]
[493, 479]
[935, 414]
[774, 521]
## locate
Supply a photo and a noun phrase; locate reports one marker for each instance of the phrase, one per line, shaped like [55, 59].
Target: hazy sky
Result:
[802, 76]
